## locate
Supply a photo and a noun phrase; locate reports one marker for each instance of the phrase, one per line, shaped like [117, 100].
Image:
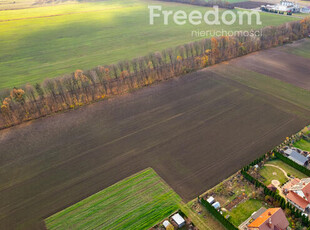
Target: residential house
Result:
[271, 219]
[299, 195]
[286, 187]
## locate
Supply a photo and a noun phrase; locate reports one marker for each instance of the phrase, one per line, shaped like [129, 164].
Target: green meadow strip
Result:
[137, 202]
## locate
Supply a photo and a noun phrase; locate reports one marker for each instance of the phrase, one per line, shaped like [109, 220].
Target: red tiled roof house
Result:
[299, 195]
[271, 219]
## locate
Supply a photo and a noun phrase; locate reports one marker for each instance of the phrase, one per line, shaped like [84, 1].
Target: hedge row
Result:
[297, 213]
[227, 224]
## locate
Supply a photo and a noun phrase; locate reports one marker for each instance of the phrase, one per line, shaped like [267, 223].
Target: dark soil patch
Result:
[194, 131]
[278, 64]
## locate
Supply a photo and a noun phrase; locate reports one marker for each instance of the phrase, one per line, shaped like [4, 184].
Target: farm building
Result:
[271, 219]
[287, 3]
[305, 10]
[178, 219]
[284, 6]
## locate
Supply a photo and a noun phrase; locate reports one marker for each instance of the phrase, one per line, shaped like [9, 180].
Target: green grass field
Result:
[244, 210]
[302, 144]
[288, 169]
[137, 202]
[268, 172]
[271, 173]
[44, 42]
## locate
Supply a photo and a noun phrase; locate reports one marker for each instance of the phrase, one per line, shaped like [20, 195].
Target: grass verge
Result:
[244, 210]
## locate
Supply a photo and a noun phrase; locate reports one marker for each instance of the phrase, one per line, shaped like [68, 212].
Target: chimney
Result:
[269, 221]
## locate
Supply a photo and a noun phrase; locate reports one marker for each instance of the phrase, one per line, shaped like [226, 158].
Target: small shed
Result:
[211, 200]
[167, 225]
[272, 188]
[178, 219]
[216, 205]
[256, 166]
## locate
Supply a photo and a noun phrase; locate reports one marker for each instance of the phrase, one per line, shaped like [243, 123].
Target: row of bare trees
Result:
[84, 87]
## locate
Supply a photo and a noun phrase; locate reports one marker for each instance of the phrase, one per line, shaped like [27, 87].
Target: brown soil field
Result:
[194, 131]
[280, 63]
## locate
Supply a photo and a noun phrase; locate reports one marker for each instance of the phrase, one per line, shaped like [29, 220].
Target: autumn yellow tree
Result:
[18, 95]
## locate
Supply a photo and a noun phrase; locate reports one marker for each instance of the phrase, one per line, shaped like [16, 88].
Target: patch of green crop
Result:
[137, 202]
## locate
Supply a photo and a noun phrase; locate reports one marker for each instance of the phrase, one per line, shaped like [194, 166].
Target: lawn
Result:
[244, 210]
[137, 202]
[268, 172]
[302, 144]
[271, 173]
[43, 42]
[288, 168]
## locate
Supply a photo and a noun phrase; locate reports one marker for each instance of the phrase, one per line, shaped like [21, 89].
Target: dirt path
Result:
[277, 184]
